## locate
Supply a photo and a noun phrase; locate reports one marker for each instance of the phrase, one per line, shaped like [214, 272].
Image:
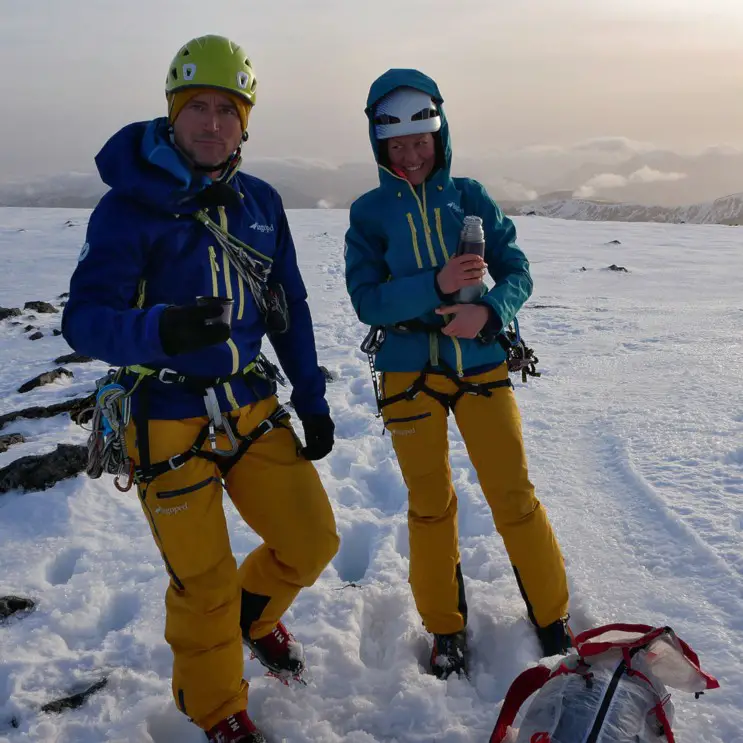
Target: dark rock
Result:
[73, 358]
[329, 376]
[76, 700]
[16, 323]
[29, 328]
[531, 214]
[56, 332]
[43, 471]
[63, 303]
[45, 378]
[6, 312]
[63, 295]
[614, 242]
[583, 268]
[614, 267]
[8, 440]
[38, 334]
[43, 307]
[10, 605]
[76, 407]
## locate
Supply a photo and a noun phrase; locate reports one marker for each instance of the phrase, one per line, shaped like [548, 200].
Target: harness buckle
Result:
[172, 462]
[161, 376]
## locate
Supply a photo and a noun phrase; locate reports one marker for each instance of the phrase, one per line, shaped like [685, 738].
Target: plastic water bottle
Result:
[471, 242]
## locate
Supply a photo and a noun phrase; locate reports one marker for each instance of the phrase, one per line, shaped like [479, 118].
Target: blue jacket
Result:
[399, 238]
[144, 229]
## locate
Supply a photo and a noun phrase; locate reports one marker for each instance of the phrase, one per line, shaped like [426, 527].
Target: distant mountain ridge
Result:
[725, 210]
[306, 184]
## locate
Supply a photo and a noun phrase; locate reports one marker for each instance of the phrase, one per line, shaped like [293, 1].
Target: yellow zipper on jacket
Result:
[228, 280]
[414, 237]
[424, 218]
[440, 232]
[426, 226]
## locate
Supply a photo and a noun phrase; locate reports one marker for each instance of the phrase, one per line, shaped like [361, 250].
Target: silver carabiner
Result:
[218, 423]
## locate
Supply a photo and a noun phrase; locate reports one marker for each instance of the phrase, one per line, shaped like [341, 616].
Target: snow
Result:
[634, 436]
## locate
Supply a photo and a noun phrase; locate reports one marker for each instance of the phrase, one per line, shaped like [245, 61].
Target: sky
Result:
[532, 73]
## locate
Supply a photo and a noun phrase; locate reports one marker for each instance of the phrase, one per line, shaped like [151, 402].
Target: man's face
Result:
[208, 129]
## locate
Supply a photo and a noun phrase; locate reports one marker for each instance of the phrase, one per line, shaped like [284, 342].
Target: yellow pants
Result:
[491, 429]
[280, 496]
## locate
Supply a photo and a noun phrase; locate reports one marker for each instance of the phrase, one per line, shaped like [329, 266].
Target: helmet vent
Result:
[426, 113]
[384, 119]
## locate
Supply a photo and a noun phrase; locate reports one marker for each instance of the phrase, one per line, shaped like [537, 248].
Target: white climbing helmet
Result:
[405, 111]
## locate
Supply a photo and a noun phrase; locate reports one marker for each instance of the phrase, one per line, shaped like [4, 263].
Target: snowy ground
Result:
[635, 436]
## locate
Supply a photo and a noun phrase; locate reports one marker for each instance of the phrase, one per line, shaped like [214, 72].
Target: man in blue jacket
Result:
[180, 223]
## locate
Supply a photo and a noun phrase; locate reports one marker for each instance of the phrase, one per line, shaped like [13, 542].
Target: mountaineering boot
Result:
[449, 654]
[237, 728]
[554, 638]
[279, 652]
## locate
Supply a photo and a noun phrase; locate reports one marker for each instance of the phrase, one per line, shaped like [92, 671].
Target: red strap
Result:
[660, 713]
[693, 658]
[521, 689]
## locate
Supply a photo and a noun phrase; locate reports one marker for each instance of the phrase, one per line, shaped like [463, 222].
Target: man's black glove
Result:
[187, 328]
[318, 434]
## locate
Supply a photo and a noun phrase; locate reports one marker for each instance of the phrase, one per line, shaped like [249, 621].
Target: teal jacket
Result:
[400, 236]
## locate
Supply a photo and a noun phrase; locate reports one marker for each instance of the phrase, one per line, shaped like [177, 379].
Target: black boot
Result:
[449, 654]
[554, 638]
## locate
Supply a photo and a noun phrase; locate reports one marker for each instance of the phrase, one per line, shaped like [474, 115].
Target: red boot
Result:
[237, 728]
[279, 652]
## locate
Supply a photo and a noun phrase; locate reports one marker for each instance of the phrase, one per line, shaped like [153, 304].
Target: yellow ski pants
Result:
[281, 498]
[491, 429]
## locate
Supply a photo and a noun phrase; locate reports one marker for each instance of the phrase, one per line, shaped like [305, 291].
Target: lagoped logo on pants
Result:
[171, 511]
[261, 227]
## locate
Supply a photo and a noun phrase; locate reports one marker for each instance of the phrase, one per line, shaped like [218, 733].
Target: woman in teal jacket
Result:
[402, 274]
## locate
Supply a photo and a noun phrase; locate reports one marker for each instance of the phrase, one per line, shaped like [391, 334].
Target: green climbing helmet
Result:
[212, 62]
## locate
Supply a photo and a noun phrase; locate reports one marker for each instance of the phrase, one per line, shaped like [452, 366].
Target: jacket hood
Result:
[409, 78]
[140, 162]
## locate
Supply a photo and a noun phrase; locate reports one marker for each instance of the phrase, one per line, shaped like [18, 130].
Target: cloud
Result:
[614, 148]
[606, 181]
[648, 175]
[613, 145]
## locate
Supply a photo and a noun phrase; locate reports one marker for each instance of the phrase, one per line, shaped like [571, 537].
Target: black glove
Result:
[318, 433]
[186, 328]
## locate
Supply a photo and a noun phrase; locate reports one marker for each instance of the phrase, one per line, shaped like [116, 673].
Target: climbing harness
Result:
[107, 451]
[519, 358]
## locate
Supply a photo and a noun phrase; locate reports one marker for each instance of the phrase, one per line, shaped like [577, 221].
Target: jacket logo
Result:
[455, 207]
[261, 227]
[84, 253]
